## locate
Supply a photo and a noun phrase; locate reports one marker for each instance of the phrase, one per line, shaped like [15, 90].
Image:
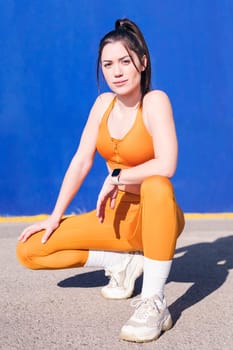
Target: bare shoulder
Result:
[103, 100]
[156, 99]
[157, 110]
[100, 105]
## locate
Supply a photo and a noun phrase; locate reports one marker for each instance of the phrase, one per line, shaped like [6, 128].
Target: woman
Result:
[137, 220]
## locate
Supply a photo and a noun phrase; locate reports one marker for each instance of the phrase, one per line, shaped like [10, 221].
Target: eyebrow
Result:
[121, 58]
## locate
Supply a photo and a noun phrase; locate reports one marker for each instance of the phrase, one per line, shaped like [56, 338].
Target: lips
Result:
[119, 83]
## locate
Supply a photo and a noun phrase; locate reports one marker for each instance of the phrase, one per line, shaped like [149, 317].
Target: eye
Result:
[107, 64]
[126, 61]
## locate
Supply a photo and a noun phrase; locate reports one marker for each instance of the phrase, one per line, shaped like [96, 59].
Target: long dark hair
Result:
[128, 33]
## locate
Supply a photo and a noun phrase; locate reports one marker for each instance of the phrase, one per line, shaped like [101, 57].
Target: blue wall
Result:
[47, 86]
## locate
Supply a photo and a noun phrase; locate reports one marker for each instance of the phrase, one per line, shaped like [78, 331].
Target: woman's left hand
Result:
[108, 191]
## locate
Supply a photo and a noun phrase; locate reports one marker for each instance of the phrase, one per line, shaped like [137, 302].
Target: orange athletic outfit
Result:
[149, 222]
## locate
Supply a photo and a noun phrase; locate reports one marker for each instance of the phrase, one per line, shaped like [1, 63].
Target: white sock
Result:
[102, 258]
[154, 277]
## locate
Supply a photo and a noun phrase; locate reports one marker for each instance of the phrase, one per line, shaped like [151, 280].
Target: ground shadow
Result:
[90, 279]
[93, 279]
[206, 265]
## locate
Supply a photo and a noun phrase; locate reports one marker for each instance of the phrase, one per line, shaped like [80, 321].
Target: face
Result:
[119, 70]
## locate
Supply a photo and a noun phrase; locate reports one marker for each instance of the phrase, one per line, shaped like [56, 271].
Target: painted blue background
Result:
[48, 52]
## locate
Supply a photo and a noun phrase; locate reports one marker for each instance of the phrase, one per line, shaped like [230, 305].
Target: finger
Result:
[28, 232]
[21, 236]
[27, 235]
[113, 199]
[47, 234]
[100, 209]
[112, 203]
[24, 233]
[100, 213]
[99, 204]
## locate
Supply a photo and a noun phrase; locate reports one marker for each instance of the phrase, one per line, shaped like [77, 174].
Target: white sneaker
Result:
[123, 277]
[150, 318]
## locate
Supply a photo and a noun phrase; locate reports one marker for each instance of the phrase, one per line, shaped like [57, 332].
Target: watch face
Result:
[116, 172]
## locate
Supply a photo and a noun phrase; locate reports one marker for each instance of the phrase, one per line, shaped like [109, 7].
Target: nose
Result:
[117, 70]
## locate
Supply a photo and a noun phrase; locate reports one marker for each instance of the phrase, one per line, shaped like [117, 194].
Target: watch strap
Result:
[115, 177]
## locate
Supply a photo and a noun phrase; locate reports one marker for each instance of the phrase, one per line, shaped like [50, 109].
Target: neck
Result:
[129, 102]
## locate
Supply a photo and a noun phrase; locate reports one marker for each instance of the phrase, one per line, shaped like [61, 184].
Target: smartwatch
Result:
[115, 177]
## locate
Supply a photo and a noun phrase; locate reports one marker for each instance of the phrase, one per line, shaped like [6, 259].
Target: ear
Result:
[144, 63]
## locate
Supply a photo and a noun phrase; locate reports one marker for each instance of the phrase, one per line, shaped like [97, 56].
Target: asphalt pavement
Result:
[64, 309]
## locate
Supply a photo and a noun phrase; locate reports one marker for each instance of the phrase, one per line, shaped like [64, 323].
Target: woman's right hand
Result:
[49, 225]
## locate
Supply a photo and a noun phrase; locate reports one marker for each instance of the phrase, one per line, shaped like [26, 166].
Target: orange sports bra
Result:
[135, 148]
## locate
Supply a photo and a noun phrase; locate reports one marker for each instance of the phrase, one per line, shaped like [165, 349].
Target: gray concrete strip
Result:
[48, 310]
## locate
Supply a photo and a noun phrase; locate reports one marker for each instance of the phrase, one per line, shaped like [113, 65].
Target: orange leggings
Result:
[149, 222]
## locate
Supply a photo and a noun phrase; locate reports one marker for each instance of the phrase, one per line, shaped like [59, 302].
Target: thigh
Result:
[84, 231]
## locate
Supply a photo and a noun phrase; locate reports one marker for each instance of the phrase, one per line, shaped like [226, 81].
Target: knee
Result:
[157, 186]
[25, 256]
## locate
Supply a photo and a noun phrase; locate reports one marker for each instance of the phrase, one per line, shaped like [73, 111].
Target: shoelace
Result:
[114, 282]
[144, 307]
[113, 279]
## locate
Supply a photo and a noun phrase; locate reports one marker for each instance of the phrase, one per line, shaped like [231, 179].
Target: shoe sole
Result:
[132, 338]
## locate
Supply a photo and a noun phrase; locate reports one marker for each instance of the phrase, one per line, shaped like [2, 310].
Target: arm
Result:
[83, 158]
[158, 117]
[78, 169]
[75, 174]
